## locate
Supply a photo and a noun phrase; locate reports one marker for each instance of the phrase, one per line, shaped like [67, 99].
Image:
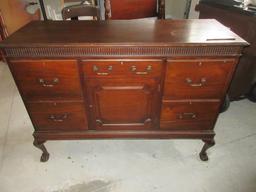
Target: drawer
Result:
[120, 68]
[58, 116]
[47, 79]
[188, 114]
[197, 79]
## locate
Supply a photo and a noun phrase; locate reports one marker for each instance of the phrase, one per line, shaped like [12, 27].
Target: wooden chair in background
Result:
[134, 9]
[3, 29]
[75, 11]
[86, 2]
[3, 33]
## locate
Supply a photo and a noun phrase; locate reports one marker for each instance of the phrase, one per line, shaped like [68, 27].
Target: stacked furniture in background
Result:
[243, 22]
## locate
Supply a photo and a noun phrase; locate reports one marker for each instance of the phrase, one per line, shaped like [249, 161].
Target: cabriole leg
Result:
[207, 144]
[40, 145]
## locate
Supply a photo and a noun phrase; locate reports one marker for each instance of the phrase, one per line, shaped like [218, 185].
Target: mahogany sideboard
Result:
[123, 79]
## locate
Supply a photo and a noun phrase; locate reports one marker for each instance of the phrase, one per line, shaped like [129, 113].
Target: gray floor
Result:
[125, 165]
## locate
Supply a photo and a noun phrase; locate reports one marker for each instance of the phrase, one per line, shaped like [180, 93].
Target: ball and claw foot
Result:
[203, 156]
[44, 157]
[40, 145]
[208, 143]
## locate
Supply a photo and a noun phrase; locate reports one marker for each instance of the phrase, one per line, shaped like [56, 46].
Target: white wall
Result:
[175, 8]
[193, 14]
[53, 9]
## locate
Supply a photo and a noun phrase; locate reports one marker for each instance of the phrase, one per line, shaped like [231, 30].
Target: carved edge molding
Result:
[122, 51]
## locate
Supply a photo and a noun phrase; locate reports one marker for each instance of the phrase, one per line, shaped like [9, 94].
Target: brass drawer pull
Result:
[96, 69]
[102, 74]
[141, 73]
[187, 116]
[148, 69]
[200, 84]
[99, 122]
[58, 118]
[44, 83]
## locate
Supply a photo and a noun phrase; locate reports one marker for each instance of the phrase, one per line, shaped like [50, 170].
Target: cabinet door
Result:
[120, 104]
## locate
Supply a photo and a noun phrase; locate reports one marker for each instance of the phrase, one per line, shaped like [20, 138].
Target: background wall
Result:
[14, 14]
[193, 14]
[176, 9]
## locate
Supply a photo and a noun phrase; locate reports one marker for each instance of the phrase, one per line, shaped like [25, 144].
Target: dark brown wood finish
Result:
[122, 79]
[116, 34]
[43, 79]
[137, 82]
[109, 69]
[207, 81]
[184, 114]
[123, 104]
[58, 116]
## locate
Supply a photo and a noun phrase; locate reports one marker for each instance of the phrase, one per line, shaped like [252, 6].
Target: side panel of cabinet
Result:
[120, 104]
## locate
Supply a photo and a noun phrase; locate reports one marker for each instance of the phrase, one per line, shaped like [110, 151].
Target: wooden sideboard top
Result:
[123, 33]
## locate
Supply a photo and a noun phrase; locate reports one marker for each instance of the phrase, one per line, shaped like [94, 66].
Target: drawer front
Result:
[188, 114]
[47, 79]
[120, 68]
[198, 79]
[58, 116]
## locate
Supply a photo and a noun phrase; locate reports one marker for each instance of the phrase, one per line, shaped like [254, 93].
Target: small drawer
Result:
[197, 79]
[58, 116]
[47, 79]
[120, 68]
[188, 114]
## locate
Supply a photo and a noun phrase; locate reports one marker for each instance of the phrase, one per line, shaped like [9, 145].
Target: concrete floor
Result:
[125, 165]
